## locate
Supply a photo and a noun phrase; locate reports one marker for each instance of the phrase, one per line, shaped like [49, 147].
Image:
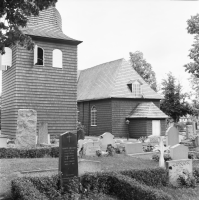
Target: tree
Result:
[143, 68]
[14, 14]
[193, 28]
[194, 81]
[174, 103]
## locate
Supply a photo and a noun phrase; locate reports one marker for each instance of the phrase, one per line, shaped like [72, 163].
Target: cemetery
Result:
[52, 167]
[127, 150]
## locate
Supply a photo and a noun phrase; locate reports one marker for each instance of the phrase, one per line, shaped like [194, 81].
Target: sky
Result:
[110, 29]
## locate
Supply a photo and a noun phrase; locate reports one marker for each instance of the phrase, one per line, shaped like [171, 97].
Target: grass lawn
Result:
[10, 168]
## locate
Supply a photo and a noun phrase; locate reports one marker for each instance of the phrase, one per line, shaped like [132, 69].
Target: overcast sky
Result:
[110, 29]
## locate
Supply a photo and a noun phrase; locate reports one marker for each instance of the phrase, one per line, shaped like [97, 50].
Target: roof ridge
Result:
[101, 64]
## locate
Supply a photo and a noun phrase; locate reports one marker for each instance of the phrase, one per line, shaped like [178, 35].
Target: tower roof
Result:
[47, 25]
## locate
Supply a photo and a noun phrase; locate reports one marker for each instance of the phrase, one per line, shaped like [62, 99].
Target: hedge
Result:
[29, 153]
[111, 183]
[124, 187]
[156, 177]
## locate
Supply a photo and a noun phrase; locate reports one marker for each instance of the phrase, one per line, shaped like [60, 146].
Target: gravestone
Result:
[133, 148]
[153, 139]
[26, 128]
[172, 136]
[90, 148]
[68, 164]
[189, 130]
[197, 141]
[179, 151]
[91, 166]
[3, 141]
[43, 133]
[177, 168]
[105, 139]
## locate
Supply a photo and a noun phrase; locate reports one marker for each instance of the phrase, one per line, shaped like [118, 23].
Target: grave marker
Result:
[172, 138]
[68, 164]
[43, 133]
[26, 128]
[90, 148]
[132, 148]
[105, 139]
[177, 168]
[178, 152]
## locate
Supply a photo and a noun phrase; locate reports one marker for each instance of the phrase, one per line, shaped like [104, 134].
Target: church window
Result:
[6, 59]
[135, 87]
[93, 116]
[57, 58]
[38, 55]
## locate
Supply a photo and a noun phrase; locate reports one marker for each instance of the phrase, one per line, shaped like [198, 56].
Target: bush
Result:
[196, 174]
[151, 177]
[29, 153]
[186, 180]
[124, 187]
[181, 126]
[23, 189]
[156, 157]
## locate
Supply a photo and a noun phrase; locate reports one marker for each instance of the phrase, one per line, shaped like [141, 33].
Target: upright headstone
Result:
[26, 128]
[179, 151]
[189, 130]
[43, 133]
[172, 136]
[90, 148]
[68, 164]
[177, 168]
[133, 148]
[105, 139]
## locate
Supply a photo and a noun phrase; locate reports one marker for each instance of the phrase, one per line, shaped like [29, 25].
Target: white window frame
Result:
[6, 59]
[136, 89]
[59, 57]
[36, 55]
[93, 116]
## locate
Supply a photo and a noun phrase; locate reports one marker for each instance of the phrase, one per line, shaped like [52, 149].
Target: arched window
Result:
[93, 116]
[6, 59]
[57, 58]
[38, 55]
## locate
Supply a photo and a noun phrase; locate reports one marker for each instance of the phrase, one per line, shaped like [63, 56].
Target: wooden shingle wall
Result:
[121, 108]
[8, 106]
[50, 91]
[137, 128]
[104, 123]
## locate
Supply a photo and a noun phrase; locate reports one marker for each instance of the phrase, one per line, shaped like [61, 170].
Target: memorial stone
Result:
[177, 168]
[43, 133]
[68, 164]
[26, 128]
[90, 148]
[172, 136]
[178, 152]
[189, 130]
[105, 139]
[133, 148]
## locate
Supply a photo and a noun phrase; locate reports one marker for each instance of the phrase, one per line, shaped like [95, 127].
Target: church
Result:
[44, 79]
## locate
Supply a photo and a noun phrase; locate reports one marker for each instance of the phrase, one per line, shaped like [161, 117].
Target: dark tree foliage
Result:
[193, 28]
[143, 68]
[174, 103]
[14, 14]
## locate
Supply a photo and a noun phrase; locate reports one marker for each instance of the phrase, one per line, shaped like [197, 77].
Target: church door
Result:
[156, 127]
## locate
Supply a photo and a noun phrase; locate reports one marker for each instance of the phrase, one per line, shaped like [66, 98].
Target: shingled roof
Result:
[109, 80]
[48, 25]
[147, 110]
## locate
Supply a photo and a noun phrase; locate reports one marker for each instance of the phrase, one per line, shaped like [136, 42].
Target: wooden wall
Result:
[121, 108]
[103, 116]
[50, 91]
[8, 106]
[138, 128]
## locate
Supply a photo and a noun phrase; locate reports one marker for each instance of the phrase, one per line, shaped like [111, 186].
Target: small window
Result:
[6, 59]
[93, 116]
[38, 56]
[135, 87]
[57, 58]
